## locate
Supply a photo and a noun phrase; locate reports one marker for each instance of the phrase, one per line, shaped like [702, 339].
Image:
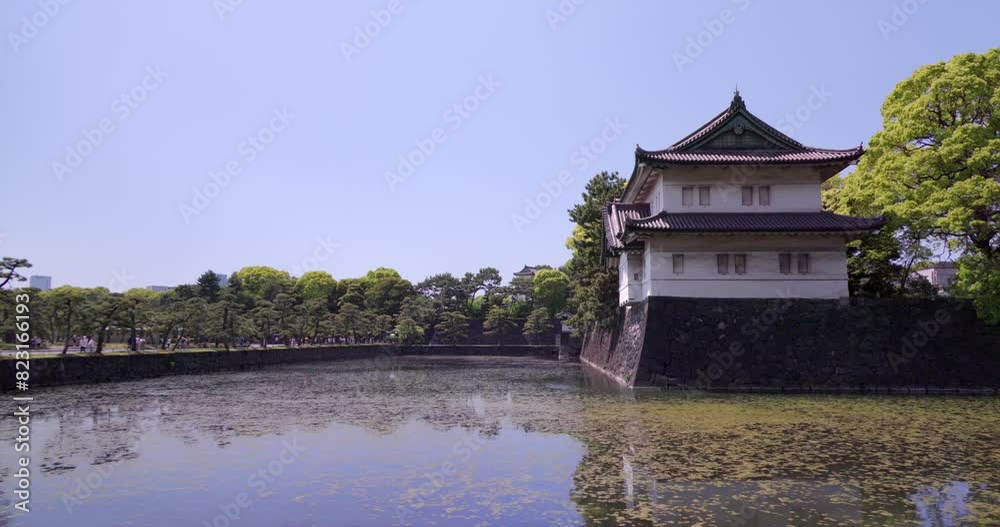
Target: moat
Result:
[494, 441]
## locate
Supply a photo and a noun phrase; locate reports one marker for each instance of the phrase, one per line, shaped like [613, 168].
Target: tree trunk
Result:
[135, 340]
[177, 342]
[69, 327]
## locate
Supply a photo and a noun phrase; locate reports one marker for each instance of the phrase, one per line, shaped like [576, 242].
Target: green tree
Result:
[445, 291]
[352, 292]
[485, 281]
[498, 323]
[594, 291]
[551, 288]
[979, 279]
[225, 320]
[382, 326]
[66, 303]
[408, 332]
[538, 325]
[8, 309]
[208, 286]
[419, 308]
[184, 317]
[934, 172]
[104, 307]
[264, 322]
[350, 320]
[314, 313]
[317, 285]
[286, 305]
[522, 288]
[137, 312]
[263, 282]
[385, 291]
[8, 270]
[452, 329]
[185, 291]
[935, 165]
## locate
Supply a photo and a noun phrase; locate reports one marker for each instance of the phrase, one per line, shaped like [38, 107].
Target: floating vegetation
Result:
[488, 441]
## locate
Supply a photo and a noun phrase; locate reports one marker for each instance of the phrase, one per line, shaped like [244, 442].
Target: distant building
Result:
[223, 280]
[528, 272]
[43, 283]
[159, 288]
[941, 275]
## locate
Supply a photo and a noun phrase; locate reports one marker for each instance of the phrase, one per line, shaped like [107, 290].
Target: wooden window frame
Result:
[722, 263]
[785, 263]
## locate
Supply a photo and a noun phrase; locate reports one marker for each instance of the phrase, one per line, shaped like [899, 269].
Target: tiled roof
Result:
[737, 136]
[752, 222]
[762, 157]
[615, 216]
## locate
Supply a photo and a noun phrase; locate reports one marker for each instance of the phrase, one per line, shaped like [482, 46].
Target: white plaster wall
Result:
[827, 277]
[792, 189]
[630, 289]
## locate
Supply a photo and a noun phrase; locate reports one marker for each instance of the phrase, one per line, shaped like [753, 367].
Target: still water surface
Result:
[504, 442]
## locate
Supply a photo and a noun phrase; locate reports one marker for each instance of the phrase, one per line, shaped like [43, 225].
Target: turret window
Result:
[803, 263]
[747, 196]
[722, 260]
[785, 263]
[704, 196]
[740, 263]
[763, 196]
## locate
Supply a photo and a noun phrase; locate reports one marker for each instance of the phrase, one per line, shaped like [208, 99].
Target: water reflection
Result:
[491, 442]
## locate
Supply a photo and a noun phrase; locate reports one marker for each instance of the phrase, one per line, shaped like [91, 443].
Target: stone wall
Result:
[76, 369]
[618, 351]
[799, 345]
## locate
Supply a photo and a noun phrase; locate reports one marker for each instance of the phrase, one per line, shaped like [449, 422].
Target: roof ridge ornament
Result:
[737, 103]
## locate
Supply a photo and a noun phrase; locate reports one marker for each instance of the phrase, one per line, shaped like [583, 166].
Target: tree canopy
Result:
[8, 270]
[933, 171]
[593, 287]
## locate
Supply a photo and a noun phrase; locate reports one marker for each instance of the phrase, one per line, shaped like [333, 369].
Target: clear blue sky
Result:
[116, 219]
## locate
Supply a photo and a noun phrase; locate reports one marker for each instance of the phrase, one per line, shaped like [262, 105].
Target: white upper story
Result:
[727, 189]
